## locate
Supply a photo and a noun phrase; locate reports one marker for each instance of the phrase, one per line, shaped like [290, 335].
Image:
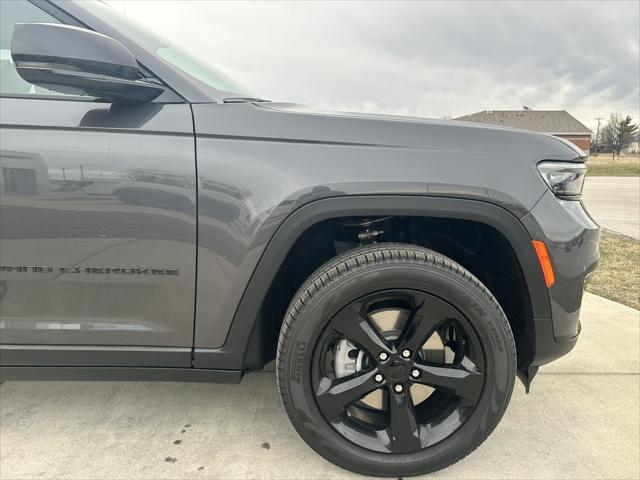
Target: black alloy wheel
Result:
[395, 362]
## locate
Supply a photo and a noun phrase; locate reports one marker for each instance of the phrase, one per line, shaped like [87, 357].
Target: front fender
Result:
[244, 329]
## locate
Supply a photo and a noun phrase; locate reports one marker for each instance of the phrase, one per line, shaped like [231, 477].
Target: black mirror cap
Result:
[70, 59]
[79, 48]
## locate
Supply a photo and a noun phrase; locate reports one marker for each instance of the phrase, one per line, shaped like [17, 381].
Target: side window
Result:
[12, 12]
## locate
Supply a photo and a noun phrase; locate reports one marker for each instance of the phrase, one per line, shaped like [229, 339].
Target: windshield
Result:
[179, 58]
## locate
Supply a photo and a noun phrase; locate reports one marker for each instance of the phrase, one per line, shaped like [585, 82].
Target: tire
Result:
[394, 443]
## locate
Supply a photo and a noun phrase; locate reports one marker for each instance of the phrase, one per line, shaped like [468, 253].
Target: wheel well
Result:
[479, 248]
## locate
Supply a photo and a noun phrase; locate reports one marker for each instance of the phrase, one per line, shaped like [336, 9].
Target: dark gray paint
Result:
[571, 237]
[257, 163]
[128, 200]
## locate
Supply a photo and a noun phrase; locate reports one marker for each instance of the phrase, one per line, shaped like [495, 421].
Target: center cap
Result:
[397, 371]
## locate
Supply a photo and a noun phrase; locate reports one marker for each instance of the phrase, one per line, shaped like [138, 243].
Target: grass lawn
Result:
[618, 275]
[603, 165]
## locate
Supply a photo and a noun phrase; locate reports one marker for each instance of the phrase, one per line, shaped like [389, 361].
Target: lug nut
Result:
[383, 356]
[378, 378]
[398, 388]
[406, 353]
[415, 373]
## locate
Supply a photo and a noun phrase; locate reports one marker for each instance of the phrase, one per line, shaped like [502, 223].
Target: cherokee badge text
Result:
[89, 269]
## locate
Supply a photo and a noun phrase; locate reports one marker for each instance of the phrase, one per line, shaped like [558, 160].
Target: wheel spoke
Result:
[335, 396]
[425, 318]
[462, 379]
[403, 430]
[353, 325]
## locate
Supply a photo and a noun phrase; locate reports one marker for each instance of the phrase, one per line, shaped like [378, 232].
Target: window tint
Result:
[12, 12]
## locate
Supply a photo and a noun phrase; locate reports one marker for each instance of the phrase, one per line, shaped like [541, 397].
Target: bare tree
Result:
[618, 133]
[609, 133]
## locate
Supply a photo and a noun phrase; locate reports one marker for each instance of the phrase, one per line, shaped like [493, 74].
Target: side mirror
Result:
[74, 60]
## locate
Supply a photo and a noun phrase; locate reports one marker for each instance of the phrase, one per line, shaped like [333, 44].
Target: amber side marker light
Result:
[545, 262]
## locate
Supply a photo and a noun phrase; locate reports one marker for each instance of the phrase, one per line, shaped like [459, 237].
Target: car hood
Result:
[414, 132]
[300, 149]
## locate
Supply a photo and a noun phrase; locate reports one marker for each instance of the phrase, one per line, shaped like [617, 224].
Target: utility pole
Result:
[597, 134]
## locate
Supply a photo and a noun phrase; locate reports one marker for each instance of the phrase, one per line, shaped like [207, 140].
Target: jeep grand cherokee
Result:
[158, 222]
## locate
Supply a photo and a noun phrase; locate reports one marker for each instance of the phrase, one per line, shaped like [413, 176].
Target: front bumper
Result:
[571, 237]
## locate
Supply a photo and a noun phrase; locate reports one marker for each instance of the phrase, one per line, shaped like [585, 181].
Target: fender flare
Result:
[245, 328]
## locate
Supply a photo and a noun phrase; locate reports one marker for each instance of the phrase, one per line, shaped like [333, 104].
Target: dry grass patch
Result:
[603, 165]
[618, 275]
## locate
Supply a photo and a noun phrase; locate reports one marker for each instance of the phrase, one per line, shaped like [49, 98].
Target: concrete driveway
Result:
[614, 203]
[579, 422]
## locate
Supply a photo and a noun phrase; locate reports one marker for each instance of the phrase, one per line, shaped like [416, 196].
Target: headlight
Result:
[565, 179]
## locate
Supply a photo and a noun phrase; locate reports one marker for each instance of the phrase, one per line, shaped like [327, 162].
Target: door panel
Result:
[97, 223]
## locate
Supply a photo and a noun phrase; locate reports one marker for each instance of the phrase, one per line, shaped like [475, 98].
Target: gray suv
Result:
[158, 223]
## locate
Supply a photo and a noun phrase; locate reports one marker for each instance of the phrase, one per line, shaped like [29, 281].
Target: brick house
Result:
[555, 122]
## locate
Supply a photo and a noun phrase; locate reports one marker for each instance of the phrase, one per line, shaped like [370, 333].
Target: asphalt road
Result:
[614, 203]
[580, 422]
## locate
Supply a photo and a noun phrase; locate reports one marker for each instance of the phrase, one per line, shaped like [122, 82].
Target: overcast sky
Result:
[430, 59]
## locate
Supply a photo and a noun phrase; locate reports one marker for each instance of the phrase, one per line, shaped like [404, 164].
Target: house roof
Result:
[544, 121]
